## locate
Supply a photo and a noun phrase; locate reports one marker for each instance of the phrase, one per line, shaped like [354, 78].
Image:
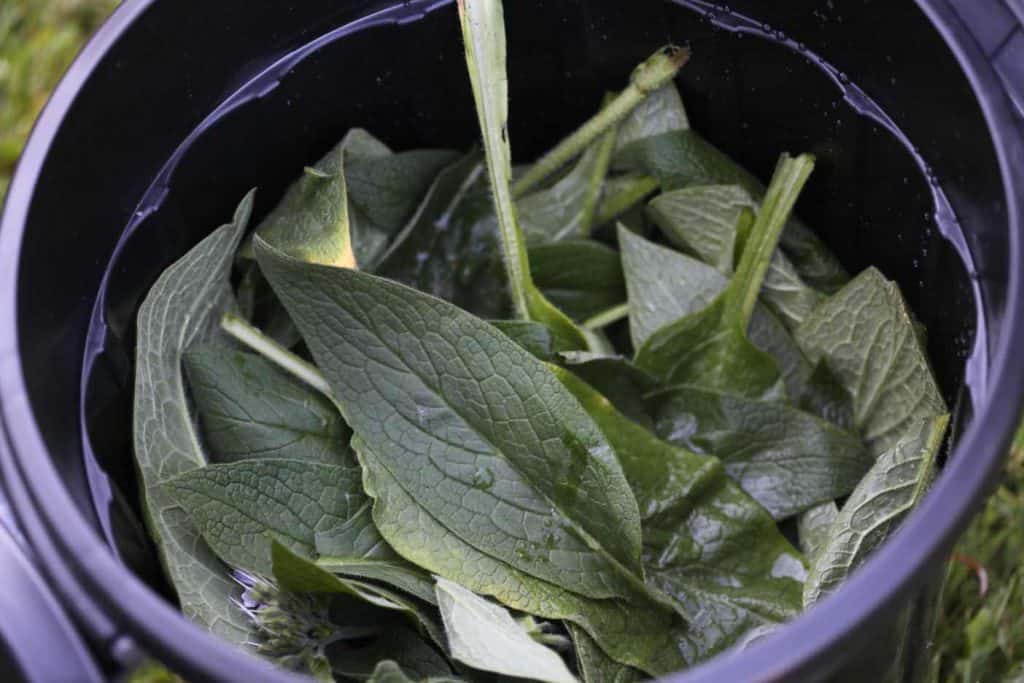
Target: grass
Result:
[980, 636]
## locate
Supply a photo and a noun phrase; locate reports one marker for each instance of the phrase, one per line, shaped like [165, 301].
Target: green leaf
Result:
[483, 32]
[533, 337]
[311, 222]
[710, 347]
[813, 527]
[617, 379]
[450, 246]
[706, 543]
[238, 506]
[258, 304]
[581, 277]
[623, 193]
[250, 409]
[392, 572]
[866, 336]
[484, 636]
[661, 112]
[412, 655]
[183, 310]
[701, 220]
[896, 483]
[682, 158]
[459, 492]
[594, 665]
[784, 458]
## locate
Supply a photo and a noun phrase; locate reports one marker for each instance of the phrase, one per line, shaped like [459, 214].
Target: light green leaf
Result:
[661, 112]
[866, 336]
[813, 527]
[785, 459]
[594, 665]
[702, 220]
[250, 409]
[312, 222]
[393, 572]
[483, 32]
[484, 636]
[623, 193]
[581, 277]
[682, 158]
[181, 311]
[238, 506]
[461, 493]
[896, 483]
[706, 543]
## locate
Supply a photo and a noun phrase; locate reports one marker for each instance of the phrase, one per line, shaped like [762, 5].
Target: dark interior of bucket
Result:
[752, 95]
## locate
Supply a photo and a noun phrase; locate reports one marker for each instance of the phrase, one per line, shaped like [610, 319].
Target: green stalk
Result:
[253, 338]
[595, 182]
[650, 75]
[617, 204]
[607, 317]
[789, 178]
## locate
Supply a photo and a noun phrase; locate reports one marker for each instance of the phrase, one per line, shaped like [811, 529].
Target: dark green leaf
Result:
[392, 572]
[621, 195]
[813, 527]
[450, 248]
[617, 379]
[866, 336]
[786, 459]
[597, 667]
[533, 337]
[706, 543]
[250, 409]
[896, 483]
[412, 654]
[710, 347]
[456, 490]
[238, 506]
[182, 310]
[682, 158]
[258, 304]
[825, 397]
[581, 277]
[484, 636]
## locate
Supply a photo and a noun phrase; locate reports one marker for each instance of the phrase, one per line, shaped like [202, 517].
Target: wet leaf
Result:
[597, 667]
[181, 311]
[581, 277]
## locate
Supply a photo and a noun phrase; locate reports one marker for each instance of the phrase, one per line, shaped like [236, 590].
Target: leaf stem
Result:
[607, 317]
[253, 338]
[613, 206]
[790, 176]
[595, 183]
[648, 76]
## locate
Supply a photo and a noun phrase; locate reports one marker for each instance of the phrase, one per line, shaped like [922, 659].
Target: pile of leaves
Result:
[604, 416]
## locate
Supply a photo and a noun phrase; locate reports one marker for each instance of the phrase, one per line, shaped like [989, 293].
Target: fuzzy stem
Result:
[617, 204]
[595, 183]
[650, 75]
[278, 355]
[607, 317]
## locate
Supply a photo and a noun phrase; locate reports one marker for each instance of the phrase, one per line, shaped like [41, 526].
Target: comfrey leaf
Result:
[181, 311]
[702, 220]
[311, 222]
[622, 194]
[250, 409]
[597, 667]
[867, 338]
[483, 31]
[581, 277]
[710, 347]
[533, 337]
[661, 112]
[450, 247]
[615, 378]
[682, 158]
[238, 506]
[463, 494]
[484, 636]
[813, 527]
[896, 483]
[415, 656]
[784, 458]
[706, 543]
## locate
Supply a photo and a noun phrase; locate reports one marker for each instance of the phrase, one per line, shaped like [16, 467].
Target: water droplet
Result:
[483, 479]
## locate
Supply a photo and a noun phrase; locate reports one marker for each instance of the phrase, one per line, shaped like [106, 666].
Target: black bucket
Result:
[176, 109]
